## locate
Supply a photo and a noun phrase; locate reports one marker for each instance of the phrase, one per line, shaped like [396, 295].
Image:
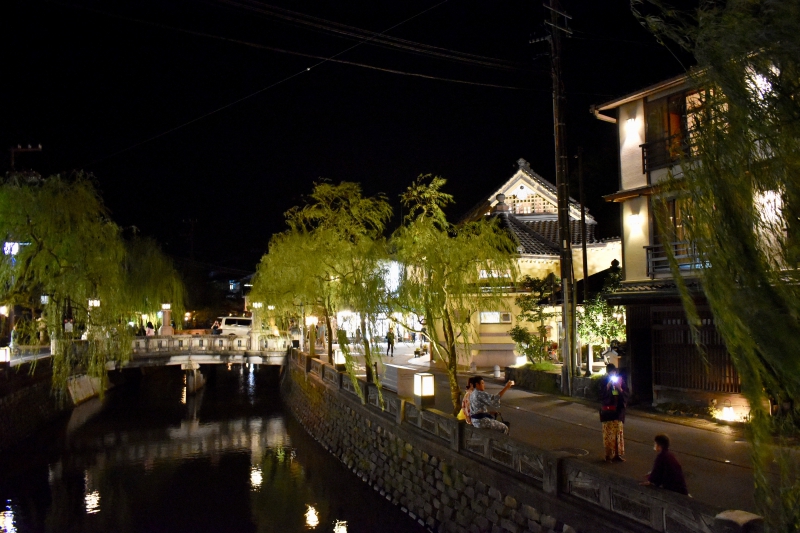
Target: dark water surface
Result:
[151, 459]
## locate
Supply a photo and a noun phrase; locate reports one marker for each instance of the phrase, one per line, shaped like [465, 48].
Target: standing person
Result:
[614, 400]
[479, 403]
[667, 472]
[150, 330]
[390, 342]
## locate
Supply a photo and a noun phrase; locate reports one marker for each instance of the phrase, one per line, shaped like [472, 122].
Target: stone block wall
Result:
[27, 405]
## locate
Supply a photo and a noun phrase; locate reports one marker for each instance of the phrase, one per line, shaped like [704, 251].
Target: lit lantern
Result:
[94, 302]
[257, 305]
[339, 360]
[45, 299]
[424, 389]
[5, 355]
[166, 307]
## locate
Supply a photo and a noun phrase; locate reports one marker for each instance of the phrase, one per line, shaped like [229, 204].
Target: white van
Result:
[235, 325]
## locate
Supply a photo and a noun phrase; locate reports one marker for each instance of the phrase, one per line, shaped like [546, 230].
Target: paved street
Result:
[715, 457]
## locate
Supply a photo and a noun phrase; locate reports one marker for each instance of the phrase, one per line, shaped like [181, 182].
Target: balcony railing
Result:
[664, 152]
[685, 253]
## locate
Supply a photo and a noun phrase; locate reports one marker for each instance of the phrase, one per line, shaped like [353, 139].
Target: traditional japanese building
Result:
[662, 360]
[526, 205]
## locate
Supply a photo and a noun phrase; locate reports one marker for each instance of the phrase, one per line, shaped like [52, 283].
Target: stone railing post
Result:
[738, 522]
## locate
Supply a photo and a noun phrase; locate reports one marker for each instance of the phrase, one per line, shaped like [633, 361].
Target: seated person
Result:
[667, 472]
[479, 403]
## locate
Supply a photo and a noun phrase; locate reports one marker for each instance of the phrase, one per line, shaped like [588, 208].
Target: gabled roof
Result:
[529, 182]
[677, 81]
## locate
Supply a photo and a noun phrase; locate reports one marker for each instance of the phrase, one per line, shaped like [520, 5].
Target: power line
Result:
[342, 30]
[307, 69]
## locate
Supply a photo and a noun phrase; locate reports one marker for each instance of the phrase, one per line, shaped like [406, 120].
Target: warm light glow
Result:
[521, 360]
[423, 384]
[635, 219]
[187, 315]
[92, 501]
[255, 477]
[312, 517]
[311, 320]
[183, 395]
[727, 414]
[3, 310]
[271, 307]
[166, 307]
[45, 299]
[94, 302]
[145, 318]
[338, 357]
[5, 357]
[340, 526]
[11, 248]
[631, 127]
[770, 205]
[257, 305]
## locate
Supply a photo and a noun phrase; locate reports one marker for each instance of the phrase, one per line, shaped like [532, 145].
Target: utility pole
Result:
[19, 148]
[559, 23]
[589, 354]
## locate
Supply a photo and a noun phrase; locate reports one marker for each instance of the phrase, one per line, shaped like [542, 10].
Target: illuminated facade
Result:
[526, 206]
[662, 361]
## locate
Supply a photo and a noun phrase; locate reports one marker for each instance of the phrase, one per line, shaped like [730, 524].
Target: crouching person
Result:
[481, 403]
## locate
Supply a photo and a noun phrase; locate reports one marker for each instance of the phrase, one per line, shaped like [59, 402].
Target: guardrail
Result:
[557, 473]
[208, 343]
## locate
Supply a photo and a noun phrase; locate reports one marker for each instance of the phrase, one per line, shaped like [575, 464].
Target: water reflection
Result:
[228, 459]
[7, 519]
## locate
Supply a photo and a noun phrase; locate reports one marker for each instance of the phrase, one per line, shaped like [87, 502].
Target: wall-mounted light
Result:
[635, 220]
[630, 127]
[94, 302]
[424, 390]
[5, 354]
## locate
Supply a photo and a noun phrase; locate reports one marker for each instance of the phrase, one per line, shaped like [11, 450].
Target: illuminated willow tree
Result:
[449, 272]
[70, 252]
[331, 257]
[742, 186]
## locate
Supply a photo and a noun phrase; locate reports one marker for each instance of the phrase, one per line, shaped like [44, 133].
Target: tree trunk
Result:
[452, 361]
[329, 336]
[367, 353]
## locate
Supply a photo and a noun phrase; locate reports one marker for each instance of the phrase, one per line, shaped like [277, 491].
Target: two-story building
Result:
[526, 205]
[664, 365]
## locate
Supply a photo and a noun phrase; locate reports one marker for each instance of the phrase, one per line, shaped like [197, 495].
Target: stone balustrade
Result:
[559, 475]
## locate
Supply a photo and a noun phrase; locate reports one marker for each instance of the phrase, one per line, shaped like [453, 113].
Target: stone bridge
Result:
[189, 351]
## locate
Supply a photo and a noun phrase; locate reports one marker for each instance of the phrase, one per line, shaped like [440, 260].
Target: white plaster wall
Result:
[636, 237]
[598, 257]
[631, 137]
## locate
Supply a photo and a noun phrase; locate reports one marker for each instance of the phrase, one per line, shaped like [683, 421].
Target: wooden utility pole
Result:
[589, 354]
[559, 23]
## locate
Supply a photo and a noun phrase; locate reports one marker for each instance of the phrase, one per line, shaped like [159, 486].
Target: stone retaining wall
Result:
[452, 477]
[27, 404]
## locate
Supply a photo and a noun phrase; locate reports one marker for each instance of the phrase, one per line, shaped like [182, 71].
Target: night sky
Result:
[91, 81]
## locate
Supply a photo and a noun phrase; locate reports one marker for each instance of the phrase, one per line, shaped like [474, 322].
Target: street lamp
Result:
[44, 299]
[424, 390]
[166, 323]
[94, 302]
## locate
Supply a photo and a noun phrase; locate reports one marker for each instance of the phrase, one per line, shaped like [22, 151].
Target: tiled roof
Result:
[530, 241]
[548, 229]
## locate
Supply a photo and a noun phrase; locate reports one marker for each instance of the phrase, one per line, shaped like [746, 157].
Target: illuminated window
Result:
[495, 317]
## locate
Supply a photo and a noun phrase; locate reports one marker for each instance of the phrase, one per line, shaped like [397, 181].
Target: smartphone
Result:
[614, 379]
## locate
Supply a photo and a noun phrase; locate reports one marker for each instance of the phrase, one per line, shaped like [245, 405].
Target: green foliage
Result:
[742, 191]
[441, 280]
[331, 257]
[74, 253]
[533, 304]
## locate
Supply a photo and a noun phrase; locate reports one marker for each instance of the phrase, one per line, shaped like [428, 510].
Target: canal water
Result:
[151, 458]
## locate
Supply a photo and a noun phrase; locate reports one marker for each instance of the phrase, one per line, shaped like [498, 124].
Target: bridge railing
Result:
[192, 343]
[558, 473]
